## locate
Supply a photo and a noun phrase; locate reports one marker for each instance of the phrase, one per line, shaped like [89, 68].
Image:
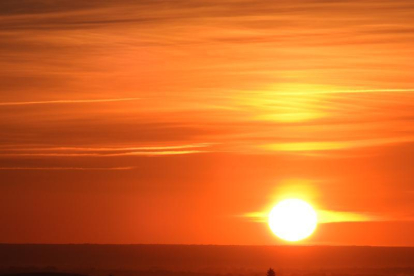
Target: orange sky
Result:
[175, 121]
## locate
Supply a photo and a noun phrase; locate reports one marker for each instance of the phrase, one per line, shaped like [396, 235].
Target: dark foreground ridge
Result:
[211, 258]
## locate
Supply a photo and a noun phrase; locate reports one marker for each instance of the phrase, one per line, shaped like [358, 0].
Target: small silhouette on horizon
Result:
[270, 272]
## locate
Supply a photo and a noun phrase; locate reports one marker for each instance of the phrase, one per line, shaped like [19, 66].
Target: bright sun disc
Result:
[292, 220]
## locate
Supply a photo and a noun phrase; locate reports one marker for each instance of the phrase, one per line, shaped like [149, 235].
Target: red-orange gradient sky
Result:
[158, 121]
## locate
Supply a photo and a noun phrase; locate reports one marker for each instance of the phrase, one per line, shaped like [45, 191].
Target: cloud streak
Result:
[324, 216]
[104, 151]
[95, 149]
[65, 169]
[132, 153]
[334, 145]
[69, 101]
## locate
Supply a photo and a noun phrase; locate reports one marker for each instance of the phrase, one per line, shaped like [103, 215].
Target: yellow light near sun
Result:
[293, 220]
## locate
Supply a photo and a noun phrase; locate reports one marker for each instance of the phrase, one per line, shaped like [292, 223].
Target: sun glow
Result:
[292, 220]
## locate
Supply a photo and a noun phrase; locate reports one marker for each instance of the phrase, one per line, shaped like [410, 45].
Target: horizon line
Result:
[224, 245]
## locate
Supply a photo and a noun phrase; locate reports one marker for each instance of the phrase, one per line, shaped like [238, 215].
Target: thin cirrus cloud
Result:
[103, 151]
[69, 101]
[324, 216]
[334, 145]
[65, 168]
[149, 148]
[132, 153]
[332, 216]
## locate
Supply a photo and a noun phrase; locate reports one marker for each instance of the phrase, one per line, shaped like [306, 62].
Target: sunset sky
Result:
[185, 121]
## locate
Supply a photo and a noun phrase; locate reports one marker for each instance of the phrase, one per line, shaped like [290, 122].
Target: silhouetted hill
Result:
[201, 258]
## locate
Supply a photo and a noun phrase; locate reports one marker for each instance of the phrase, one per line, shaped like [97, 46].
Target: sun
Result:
[293, 220]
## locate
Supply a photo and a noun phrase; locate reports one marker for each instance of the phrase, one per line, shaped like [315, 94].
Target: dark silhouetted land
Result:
[205, 260]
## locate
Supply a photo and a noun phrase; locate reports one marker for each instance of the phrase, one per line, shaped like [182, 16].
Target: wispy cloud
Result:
[65, 168]
[329, 216]
[333, 145]
[324, 216]
[315, 91]
[132, 153]
[69, 101]
[103, 151]
[95, 149]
